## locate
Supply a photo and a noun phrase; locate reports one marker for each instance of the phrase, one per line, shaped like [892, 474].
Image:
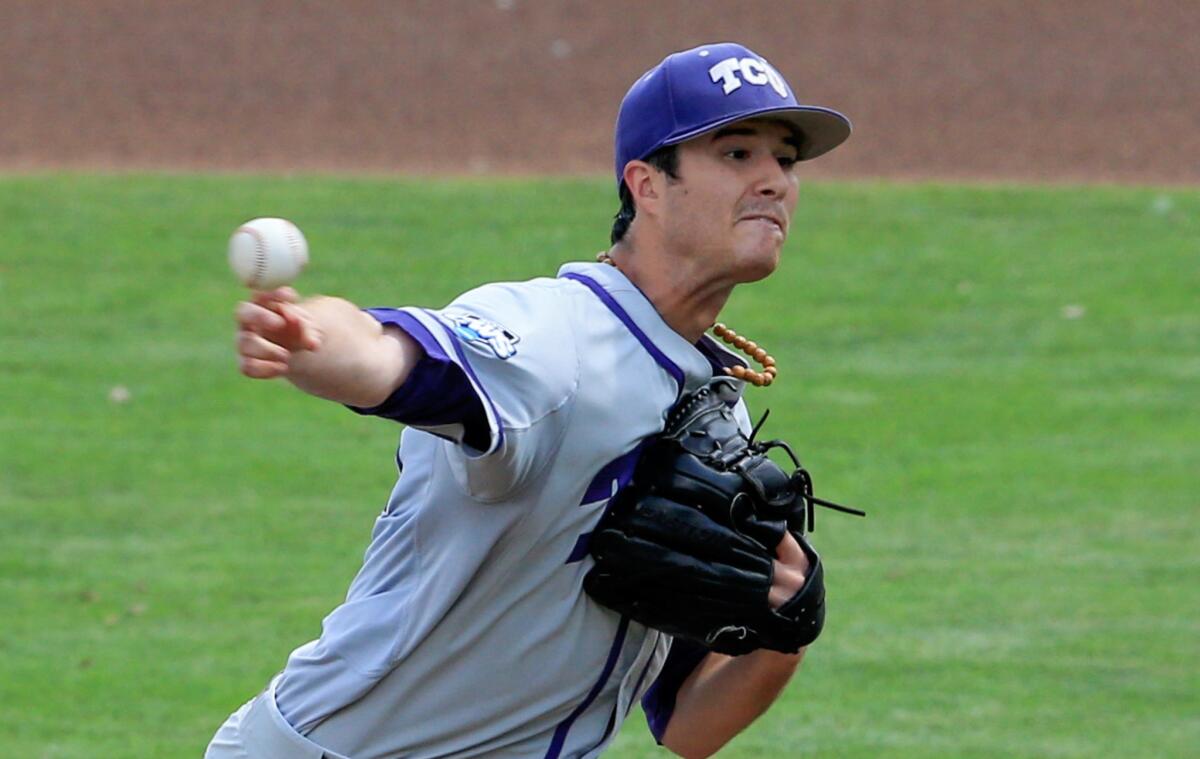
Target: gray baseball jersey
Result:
[466, 632]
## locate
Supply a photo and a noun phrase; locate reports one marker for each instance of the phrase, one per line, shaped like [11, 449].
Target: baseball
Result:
[267, 253]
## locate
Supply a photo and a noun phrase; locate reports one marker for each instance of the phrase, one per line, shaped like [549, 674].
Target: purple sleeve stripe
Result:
[560, 733]
[659, 701]
[494, 415]
[413, 327]
[437, 391]
[670, 366]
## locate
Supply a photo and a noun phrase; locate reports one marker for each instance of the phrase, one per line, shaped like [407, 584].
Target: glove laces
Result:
[800, 478]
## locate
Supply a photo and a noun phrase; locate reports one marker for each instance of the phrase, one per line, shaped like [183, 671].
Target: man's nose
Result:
[774, 182]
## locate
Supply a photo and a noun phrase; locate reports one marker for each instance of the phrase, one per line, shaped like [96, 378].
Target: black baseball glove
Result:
[687, 548]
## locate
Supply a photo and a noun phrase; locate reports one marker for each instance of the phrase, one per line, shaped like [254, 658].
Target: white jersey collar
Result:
[683, 360]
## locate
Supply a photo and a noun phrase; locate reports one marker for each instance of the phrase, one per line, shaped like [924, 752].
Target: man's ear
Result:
[645, 185]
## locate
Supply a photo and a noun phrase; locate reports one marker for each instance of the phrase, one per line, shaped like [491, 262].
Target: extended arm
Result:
[325, 346]
[724, 694]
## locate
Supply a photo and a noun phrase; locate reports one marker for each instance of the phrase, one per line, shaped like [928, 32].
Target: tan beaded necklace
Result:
[749, 347]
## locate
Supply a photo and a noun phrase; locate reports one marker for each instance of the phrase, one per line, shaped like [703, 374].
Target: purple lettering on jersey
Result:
[608, 300]
[659, 701]
[619, 469]
[581, 548]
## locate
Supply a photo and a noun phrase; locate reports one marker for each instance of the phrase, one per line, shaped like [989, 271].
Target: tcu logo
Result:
[752, 70]
[476, 329]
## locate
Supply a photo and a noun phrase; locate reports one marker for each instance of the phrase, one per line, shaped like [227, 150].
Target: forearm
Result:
[358, 361]
[722, 696]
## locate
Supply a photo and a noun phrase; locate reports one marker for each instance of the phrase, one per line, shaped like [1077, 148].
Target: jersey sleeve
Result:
[497, 380]
[438, 396]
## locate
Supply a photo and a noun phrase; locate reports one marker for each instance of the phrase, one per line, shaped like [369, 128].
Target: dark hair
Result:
[666, 160]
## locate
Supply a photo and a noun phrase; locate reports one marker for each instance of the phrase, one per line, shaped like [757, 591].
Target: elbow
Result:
[690, 752]
[690, 746]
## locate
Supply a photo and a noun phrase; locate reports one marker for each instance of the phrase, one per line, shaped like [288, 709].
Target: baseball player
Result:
[466, 632]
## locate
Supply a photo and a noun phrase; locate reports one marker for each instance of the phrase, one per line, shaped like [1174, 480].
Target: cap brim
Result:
[823, 128]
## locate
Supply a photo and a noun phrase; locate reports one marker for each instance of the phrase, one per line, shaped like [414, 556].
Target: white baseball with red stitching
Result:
[267, 253]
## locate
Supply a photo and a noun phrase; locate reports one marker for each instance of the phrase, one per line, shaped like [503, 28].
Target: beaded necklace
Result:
[749, 347]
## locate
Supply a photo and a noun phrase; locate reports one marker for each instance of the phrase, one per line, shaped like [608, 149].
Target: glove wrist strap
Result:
[805, 611]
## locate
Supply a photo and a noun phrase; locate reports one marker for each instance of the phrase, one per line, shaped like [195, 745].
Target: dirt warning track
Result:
[993, 89]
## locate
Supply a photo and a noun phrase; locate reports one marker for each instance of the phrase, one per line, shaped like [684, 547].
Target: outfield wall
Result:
[997, 89]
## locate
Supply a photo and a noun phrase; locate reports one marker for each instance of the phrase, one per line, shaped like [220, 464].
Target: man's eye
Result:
[738, 154]
[787, 161]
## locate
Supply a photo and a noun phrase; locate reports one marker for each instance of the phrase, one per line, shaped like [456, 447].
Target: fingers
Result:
[785, 583]
[790, 553]
[256, 368]
[260, 358]
[271, 327]
[278, 295]
[276, 318]
[300, 323]
[254, 345]
[270, 310]
[255, 317]
[791, 570]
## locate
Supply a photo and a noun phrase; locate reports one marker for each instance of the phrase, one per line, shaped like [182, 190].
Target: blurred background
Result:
[985, 319]
[989, 89]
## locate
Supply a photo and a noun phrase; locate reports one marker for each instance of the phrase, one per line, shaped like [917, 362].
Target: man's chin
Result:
[760, 266]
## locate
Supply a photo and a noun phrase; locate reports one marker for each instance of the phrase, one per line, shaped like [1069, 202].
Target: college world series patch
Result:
[476, 330]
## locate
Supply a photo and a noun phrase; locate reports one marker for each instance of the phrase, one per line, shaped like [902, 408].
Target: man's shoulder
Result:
[534, 306]
[545, 287]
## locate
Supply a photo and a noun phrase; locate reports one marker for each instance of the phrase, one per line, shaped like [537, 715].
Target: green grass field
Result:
[1007, 378]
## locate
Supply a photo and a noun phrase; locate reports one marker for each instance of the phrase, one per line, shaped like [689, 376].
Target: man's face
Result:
[732, 204]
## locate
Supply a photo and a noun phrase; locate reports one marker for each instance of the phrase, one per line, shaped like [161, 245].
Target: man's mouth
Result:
[767, 218]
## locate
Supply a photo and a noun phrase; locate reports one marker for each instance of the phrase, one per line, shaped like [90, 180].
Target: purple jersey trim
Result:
[437, 391]
[560, 733]
[413, 327]
[608, 300]
[659, 701]
[638, 685]
[718, 358]
[466, 365]
[612, 718]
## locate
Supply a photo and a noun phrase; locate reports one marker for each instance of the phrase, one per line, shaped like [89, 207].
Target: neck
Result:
[686, 301]
[689, 311]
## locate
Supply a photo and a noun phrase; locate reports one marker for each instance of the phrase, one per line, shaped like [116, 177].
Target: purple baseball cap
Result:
[702, 89]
